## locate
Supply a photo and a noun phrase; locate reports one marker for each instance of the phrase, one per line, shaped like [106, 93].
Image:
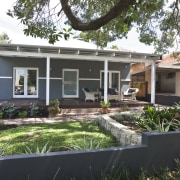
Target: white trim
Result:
[56, 78]
[88, 79]
[47, 79]
[50, 78]
[77, 83]
[5, 77]
[105, 80]
[126, 80]
[110, 72]
[153, 82]
[25, 82]
[21, 50]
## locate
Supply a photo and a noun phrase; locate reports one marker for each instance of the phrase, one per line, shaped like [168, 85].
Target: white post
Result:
[105, 80]
[153, 81]
[47, 80]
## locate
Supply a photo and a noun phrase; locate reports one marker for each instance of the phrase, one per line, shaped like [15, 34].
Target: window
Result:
[113, 79]
[25, 82]
[70, 83]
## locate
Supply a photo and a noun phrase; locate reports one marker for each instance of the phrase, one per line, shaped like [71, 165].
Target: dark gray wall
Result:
[6, 88]
[157, 150]
[8, 63]
[168, 100]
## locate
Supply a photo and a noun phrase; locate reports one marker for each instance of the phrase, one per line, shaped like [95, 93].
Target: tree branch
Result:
[76, 24]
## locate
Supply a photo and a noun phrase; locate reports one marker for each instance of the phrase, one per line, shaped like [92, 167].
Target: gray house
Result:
[48, 72]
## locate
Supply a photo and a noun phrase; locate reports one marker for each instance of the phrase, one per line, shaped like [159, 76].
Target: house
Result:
[167, 79]
[53, 72]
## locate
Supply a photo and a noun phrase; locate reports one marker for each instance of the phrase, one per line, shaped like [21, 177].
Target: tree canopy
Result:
[4, 38]
[103, 21]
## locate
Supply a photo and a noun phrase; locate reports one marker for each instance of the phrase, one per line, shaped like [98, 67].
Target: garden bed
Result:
[125, 135]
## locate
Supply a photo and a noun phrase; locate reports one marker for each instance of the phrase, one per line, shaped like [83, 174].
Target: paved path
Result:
[66, 115]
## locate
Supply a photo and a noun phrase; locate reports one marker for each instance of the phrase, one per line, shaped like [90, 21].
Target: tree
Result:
[157, 21]
[4, 38]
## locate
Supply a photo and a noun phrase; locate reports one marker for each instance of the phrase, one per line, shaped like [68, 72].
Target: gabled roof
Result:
[39, 51]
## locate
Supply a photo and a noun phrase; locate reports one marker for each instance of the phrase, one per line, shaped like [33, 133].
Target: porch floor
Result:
[76, 103]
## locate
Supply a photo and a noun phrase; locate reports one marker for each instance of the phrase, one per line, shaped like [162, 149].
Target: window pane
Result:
[102, 79]
[115, 80]
[70, 83]
[31, 82]
[19, 82]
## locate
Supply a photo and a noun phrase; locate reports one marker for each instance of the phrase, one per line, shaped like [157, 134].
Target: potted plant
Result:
[105, 107]
[54, 108]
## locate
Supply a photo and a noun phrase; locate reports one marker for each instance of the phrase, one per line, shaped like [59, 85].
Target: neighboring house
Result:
[51, 72]
[167, 79]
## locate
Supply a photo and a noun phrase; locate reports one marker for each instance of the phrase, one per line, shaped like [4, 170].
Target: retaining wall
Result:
[123, 134]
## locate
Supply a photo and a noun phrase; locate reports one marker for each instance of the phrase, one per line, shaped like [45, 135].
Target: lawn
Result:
[55, 136]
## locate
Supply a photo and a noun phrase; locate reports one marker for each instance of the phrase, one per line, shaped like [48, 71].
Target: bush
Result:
[161, 120]
[54, 107]
[22, 114]
[8, 110]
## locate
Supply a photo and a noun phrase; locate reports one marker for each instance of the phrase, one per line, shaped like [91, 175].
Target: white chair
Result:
[130, 94]
[90, 95]
[113, 94]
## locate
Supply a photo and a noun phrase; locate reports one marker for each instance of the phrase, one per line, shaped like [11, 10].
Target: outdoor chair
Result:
[90, 95]
[113, 94]
[130, 94]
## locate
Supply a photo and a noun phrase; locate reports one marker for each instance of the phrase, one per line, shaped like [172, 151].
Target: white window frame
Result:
[25, 87]
[77, 83]
[110, 78]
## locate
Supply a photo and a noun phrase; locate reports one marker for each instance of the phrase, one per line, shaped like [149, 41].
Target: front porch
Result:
[75, 103]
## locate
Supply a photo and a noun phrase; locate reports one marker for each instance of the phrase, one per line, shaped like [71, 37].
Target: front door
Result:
[70, 83]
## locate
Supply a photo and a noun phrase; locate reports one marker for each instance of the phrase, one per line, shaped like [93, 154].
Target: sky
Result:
[14, 29]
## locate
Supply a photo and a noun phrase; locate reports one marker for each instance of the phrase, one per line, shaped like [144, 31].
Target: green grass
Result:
[60, 136]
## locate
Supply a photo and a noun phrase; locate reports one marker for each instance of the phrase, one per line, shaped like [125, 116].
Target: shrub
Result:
[161, 120]
[54, 107]
[22, 114]
[1, 114]
[9, 110]
[33, 110]
[104, 104]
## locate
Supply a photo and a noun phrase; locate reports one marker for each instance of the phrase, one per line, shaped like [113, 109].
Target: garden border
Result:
[123, 134]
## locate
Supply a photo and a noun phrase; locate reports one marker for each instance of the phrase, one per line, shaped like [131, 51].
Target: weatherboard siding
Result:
[89, 74]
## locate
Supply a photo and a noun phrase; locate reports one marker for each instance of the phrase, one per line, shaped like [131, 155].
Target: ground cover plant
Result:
[128, 120]
[158, 174]
[152, 119]
[55, 136]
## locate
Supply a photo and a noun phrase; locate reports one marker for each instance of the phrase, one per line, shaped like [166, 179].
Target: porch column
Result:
[105, 80]
[47, 79]
[153, 81]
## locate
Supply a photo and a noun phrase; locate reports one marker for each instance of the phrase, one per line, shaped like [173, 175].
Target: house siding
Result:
[89, 74]
[6, 88]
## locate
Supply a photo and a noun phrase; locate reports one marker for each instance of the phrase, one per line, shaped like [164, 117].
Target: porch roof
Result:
[39, 51]
[168, 67]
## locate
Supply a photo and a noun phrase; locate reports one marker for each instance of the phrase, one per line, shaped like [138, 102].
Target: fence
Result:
[142, 86]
